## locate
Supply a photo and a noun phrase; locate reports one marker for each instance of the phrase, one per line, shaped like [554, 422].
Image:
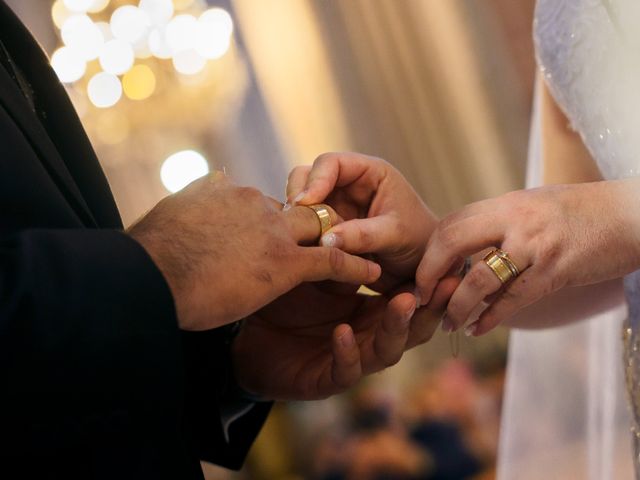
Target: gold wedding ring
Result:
[502, 265]
[322, 211]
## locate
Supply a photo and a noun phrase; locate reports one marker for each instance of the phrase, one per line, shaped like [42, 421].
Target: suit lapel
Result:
[56, 132]
[18, 108]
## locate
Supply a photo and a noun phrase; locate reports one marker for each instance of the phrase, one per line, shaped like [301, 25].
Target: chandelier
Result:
[116, 48]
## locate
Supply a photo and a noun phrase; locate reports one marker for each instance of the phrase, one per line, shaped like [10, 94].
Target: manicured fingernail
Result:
[409, 315]
[471, 330]
[299, 197]
[347, 340]
[330, 240]
[416, 294]
[447, 325]
[286, 206]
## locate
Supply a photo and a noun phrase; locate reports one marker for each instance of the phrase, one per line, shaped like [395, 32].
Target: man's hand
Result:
[385, 216]
[314, 342]
[226, 251]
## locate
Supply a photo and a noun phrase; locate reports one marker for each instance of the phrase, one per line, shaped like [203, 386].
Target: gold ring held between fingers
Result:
[502, 265]
[322, 211]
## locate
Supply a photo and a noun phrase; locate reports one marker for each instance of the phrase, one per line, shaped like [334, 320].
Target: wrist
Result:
[170, 272]
[237, 387]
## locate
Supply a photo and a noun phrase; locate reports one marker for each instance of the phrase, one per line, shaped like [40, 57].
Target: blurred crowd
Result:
[445, 427]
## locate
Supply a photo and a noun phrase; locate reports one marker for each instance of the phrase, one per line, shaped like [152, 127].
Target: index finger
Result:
[322, 263]
[332, 170]
[305, 224]
[453, 241]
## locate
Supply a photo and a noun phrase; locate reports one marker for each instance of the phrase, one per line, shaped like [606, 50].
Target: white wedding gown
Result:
[566, 414]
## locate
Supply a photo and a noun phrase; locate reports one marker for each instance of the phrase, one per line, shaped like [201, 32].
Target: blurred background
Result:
[170, 89]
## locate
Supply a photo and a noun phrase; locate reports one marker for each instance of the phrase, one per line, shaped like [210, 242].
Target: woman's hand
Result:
[384, 215]
[558, 236]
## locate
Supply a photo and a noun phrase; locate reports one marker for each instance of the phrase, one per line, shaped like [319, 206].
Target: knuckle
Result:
[296, 171]
[477, 279]
[548, 251]
[364, 237]
[336, 259]
[325, 158]
[510, 296]
[448, 237]
[250, 193]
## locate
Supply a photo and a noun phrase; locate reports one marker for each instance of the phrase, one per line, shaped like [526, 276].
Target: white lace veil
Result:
[565, 414]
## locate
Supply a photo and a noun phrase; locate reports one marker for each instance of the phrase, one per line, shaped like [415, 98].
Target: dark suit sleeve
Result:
[92, 358]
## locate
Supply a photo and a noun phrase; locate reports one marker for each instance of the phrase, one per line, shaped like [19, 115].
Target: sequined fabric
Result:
[589, 54]
[631, 336]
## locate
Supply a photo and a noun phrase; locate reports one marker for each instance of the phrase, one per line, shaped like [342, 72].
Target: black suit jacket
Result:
[96, 380]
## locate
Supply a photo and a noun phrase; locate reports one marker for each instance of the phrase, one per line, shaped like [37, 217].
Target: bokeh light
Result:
[181, 33]
[158, 43]
[80, 6]
[214, 32]
[105, 28]
[68, 64]
[139, 82]
[220, 19]
[98, 6]
[182, 4]
[60, 13]
[80, 33]
[130, 23]
[159, 11]
[117, 57]
[189, 62]
[104, 90]
[182, 168]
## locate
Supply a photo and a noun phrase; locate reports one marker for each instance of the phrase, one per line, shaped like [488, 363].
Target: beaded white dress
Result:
[566, 413]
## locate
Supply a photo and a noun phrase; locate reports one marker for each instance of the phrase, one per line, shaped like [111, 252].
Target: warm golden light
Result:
[158, 43]
[84, 36]
[181, 33]
[130, 23]
[182, 4]
[68, 64]
[104, 90]
[139, 31]
[182, 168]
[189, 62]
[117, 57]
[106, 30]
[213, 34]
[78, 6]
[139, 83]
[59, 13]
[159, 11]
[98, 6]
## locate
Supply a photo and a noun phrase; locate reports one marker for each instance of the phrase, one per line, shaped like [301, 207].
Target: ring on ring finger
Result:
[501, 265]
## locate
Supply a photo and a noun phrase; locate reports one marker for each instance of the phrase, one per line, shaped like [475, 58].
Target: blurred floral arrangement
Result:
[157, 73]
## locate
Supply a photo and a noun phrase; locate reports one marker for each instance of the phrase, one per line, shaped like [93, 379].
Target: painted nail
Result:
[299, 197]
[471, 330]
[329, 240]
[347, 340]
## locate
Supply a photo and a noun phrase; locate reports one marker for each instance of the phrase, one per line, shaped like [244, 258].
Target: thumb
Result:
[368, 235]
